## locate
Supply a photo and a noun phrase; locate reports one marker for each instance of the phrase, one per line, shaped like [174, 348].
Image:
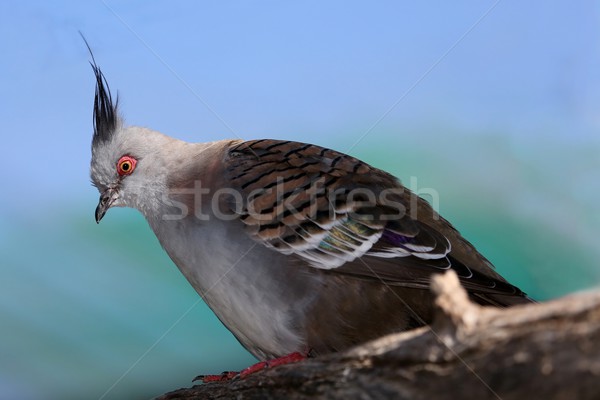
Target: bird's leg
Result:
[228, 375]
[287, 359]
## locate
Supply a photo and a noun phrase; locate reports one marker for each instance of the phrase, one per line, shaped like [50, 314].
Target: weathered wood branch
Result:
[539, 351]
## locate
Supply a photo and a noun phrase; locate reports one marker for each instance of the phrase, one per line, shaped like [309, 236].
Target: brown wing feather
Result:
[331, 209]
[295, 199]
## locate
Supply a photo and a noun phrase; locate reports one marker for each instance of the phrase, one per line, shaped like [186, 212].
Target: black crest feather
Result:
[106, 116]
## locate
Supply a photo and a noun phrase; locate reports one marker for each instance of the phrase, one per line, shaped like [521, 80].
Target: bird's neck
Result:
[185, 183]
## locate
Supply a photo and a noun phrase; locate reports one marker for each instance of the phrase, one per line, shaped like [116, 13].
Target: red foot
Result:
[288, 359]
[228, 375]
[225, 376]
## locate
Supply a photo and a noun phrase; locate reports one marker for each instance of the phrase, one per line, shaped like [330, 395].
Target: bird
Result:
[298, 249]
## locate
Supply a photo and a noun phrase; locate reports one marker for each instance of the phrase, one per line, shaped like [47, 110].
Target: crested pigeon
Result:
[296, 248]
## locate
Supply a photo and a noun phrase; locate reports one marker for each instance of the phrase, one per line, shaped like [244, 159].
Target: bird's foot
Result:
[224, 376]
[287, 359]
[229, 375]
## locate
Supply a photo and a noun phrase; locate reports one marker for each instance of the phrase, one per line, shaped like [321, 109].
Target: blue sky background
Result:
[492, 104]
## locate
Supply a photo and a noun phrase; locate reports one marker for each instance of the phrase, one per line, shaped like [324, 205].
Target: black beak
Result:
[106, 199]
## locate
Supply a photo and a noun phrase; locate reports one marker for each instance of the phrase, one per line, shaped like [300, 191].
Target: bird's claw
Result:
[223, 377]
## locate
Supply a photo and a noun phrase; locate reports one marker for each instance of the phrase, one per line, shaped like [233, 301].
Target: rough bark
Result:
[540, 351]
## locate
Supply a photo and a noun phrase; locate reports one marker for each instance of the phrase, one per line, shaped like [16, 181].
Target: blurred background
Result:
[492, 104]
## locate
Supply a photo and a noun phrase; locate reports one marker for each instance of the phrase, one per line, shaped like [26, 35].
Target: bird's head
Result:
[125, 165]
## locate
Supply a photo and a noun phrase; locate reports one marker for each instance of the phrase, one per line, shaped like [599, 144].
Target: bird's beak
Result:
[107, 198]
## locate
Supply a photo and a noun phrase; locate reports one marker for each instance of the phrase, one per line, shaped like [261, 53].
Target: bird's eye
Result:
[126, 165]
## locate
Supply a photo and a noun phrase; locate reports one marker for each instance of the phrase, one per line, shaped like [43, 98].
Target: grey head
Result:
[126, 167]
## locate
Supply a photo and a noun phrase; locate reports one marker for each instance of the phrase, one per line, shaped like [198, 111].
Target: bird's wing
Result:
[324, 206]
[341, 214]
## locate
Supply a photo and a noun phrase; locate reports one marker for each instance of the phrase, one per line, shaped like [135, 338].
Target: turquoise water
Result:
[81, 303]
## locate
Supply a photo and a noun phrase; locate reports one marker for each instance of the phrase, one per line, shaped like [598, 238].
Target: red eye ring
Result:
[126, 165]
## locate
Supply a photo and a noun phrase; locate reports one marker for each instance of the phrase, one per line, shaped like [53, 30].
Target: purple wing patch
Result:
[395, 239]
